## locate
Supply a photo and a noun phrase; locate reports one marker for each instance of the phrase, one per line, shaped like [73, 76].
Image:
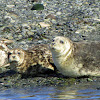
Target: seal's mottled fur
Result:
[39, 58]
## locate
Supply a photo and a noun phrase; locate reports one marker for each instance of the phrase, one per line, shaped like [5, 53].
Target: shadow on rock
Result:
[7, 73]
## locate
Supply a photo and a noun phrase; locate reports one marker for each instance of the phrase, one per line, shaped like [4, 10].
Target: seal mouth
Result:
[52, 43]
[13, 61]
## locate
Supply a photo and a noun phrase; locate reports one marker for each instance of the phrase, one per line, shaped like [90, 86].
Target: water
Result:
[88, 91]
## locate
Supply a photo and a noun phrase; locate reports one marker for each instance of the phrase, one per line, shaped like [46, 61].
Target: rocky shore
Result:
[11, 79]
[77, 19]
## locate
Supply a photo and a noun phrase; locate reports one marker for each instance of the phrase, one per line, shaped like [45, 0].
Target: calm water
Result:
[90, 91]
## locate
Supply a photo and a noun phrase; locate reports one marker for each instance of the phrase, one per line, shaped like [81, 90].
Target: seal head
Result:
[16, 55]
[61, 46]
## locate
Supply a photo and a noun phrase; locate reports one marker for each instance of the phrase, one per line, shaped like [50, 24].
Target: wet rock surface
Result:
[77, 19]
[11, 79]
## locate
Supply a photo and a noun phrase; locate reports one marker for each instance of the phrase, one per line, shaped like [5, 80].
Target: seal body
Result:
[75, 59]
[4, 50]
[36, 59]
[3, 56]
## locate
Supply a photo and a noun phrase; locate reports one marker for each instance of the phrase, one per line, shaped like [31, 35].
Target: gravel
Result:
[77, 19]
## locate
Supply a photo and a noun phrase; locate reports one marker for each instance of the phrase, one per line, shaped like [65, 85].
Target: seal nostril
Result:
[53, 43]
[13, 56]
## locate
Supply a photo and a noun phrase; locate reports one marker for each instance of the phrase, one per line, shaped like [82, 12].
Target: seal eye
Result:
[62, 42]
[9, 53]
[19, 53]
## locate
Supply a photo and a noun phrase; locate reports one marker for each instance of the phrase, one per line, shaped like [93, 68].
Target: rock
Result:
[37, 7]
[50, 16]
[10, 6]
[43, 24]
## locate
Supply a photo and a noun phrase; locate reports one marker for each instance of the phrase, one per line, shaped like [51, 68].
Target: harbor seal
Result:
[36, 59]
[4, 50]
[76, 59]
[3, 55]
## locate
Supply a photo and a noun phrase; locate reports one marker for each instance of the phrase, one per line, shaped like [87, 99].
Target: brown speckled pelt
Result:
[39, 58]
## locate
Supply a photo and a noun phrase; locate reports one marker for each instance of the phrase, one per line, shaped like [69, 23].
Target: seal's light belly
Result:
[66, 68]
[73, 69]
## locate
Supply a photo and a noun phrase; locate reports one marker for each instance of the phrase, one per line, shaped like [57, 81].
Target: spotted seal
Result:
[4, 50]
[75, 59]
[37, 59]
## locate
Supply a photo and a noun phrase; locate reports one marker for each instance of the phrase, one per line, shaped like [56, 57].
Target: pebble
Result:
[10, 6]
[51, 16]
[43, 24]
[26, 26]
[57, 18]
[58, 13]
[10, 37]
